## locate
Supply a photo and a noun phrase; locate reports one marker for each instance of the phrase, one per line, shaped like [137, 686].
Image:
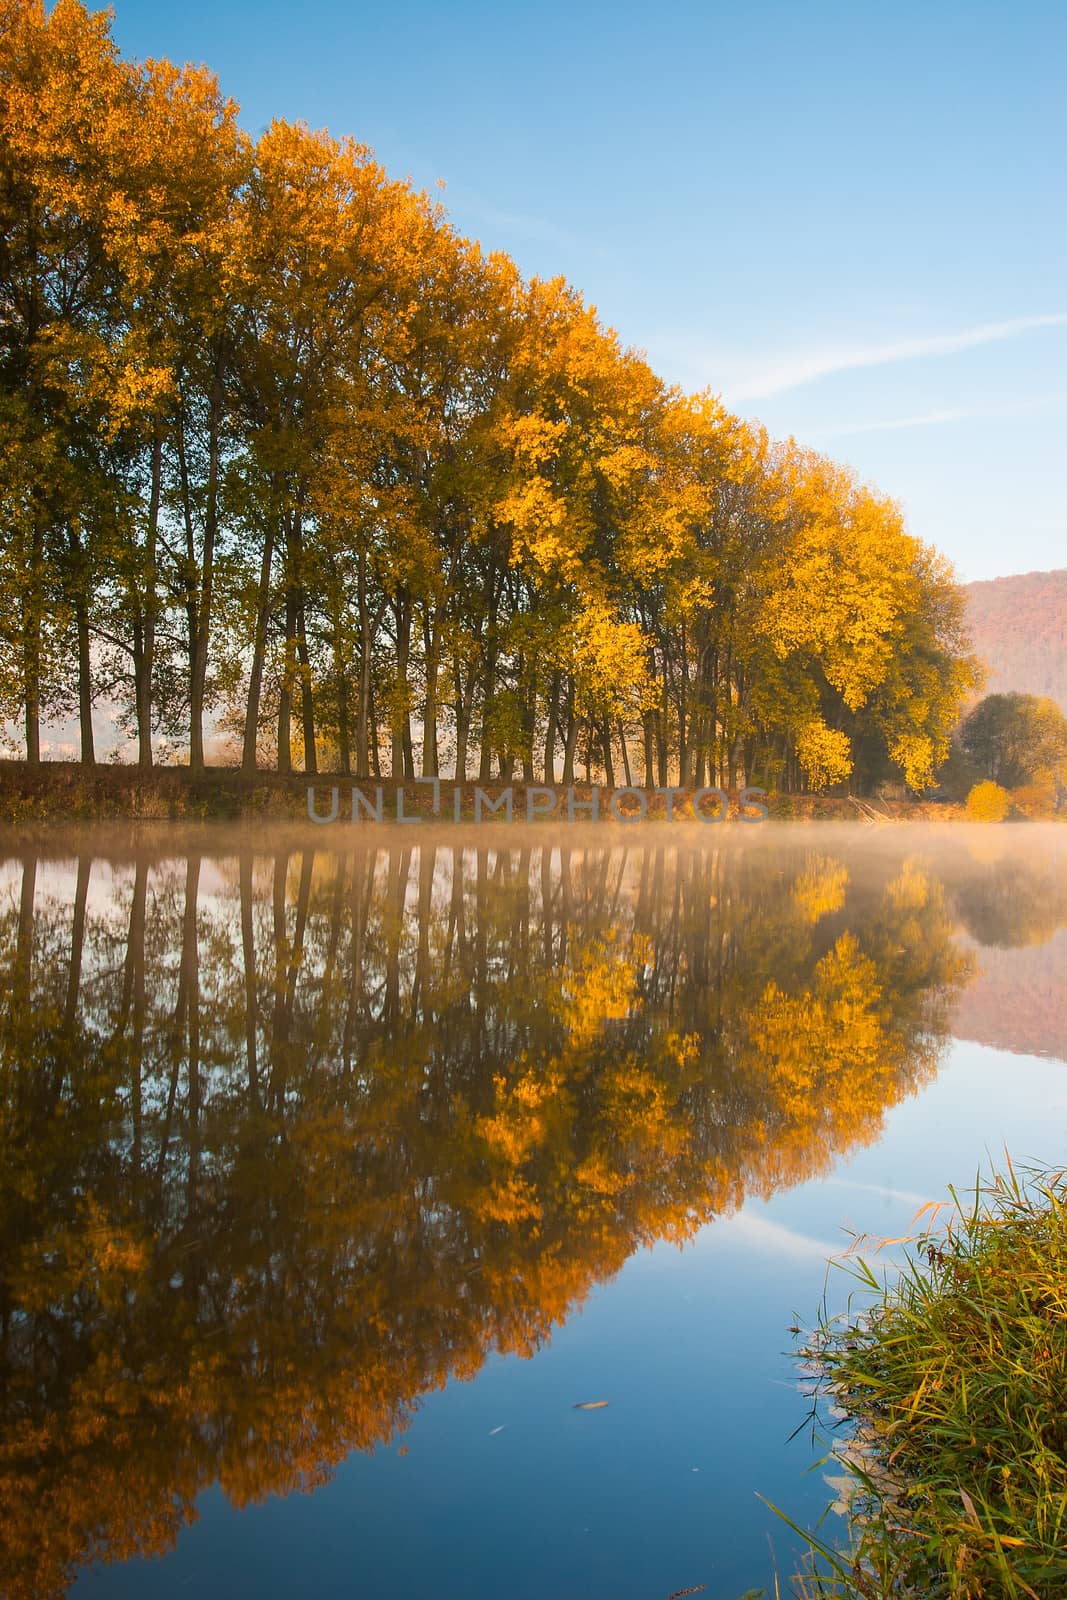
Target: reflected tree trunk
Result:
[77, 941]
[248, 957]
[190, 978]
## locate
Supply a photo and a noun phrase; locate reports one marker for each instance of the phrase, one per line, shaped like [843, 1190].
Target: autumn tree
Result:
[1014, 739]
[61, 87]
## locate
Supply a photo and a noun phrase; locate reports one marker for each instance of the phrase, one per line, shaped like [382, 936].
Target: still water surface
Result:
[337, 1171]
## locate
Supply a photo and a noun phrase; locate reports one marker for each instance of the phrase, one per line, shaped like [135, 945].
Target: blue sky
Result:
[848, 219]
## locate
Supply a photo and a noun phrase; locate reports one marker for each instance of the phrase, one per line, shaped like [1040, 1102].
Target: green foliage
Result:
[1015, 739]
[988, 802]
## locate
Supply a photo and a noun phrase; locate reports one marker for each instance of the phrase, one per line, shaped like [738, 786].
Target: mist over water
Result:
[301, 1126]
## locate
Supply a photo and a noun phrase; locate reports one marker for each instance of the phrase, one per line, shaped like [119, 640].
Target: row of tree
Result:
[284, 459]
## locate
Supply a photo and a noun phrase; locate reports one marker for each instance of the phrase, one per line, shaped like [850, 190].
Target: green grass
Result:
[952, 1378]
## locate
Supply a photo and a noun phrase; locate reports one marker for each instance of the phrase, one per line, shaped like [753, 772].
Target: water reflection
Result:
[289, 1137]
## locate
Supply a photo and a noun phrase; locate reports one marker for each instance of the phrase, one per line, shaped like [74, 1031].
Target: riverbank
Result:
[60, 791]
[950, 1380]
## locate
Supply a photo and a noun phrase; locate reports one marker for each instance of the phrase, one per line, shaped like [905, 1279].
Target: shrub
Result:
[1036, 799]
[988, 802]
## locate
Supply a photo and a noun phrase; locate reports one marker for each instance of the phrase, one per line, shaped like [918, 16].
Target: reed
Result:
[947, 1385]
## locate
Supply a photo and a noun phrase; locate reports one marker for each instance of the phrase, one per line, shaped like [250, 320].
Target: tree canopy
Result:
[1013, 739]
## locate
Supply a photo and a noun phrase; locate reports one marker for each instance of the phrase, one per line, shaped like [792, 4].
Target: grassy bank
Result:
[953, 1385]
[65, 791]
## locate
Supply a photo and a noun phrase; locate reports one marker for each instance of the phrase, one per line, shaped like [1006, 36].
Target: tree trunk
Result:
[33, 707]
[363, 715]
[144, 662]
[202, 639]
[259, 652]
[85, 668]
[485, 763]
[662, 738]
[552, 730]
[307, 690]
[344, 749]
[647, 729]
[401, 754]
[31, 648]
[625, 757]
[571, 744]
[529, 720]
[430, 764]
[285, 697]
[375, 751]
[609, 765]
[463, 728]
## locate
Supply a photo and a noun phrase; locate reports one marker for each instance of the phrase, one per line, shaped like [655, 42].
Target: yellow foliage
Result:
[824, 753]
[820, 889]
[988, 802]
[914, 754]
[911, 889]
[1036, 799]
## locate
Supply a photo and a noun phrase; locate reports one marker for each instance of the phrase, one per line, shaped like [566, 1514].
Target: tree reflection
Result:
[1014, 902]
[288, 1140]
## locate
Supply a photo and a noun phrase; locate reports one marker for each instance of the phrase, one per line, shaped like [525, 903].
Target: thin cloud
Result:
[766, 1234]
[810, 367]
[929, 419]
[909, 1197]
[925, 419]
[466, 204]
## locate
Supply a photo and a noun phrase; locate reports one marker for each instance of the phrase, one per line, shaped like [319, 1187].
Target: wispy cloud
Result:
[909, 1197]
[924, 419]
[809, 366]
[494, 224]
[931, 419]
[766, 1234]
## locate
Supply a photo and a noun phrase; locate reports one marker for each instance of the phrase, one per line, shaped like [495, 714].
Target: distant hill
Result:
[1019, 628]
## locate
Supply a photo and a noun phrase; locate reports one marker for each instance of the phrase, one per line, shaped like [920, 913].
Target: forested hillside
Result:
[284, 456]
[1019, 629]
